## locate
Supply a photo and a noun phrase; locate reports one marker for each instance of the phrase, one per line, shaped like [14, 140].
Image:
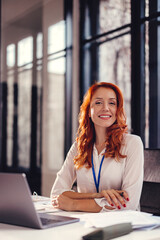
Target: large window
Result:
[33, 89]
[114, 48]
[107, 40]
[119, 44]
[21, 82]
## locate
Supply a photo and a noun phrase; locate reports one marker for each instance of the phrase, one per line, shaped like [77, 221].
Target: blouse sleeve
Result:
[67, 175]
[133, 172]
[132, 179]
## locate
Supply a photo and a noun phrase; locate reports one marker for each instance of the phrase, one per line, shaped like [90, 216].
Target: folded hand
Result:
[115, 197]
[63, 202]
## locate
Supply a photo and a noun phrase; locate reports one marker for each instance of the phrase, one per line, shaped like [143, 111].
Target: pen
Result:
[122, 194]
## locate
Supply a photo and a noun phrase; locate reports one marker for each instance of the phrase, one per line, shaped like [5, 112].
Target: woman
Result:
[106, 162]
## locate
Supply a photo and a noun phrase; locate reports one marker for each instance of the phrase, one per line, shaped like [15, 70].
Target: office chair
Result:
[150, 197]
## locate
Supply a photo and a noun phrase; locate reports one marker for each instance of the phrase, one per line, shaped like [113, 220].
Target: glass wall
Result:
[120, 44]
[56, 82]
[33, 88]
[115, 51]
[115, 67]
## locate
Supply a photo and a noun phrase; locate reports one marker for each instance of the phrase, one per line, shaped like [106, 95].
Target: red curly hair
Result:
[86, 132]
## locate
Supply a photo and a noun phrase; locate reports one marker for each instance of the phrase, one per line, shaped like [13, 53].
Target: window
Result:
[109, 42]
[36, 88]
[56, 90]
[119, 44]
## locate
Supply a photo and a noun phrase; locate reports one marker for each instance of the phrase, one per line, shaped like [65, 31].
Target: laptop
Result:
[17, 207]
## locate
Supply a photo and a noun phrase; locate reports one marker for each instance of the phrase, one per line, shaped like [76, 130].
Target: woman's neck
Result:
[100, 139]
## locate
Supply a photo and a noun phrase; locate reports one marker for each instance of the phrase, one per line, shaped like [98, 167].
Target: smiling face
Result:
[103, 107]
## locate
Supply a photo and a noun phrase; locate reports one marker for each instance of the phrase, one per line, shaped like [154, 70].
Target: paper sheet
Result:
[139, 220]
[43, 204]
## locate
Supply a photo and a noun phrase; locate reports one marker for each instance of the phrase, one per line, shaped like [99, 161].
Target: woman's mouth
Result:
[104, 116]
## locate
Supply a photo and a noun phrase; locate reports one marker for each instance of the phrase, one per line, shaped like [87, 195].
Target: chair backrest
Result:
[150, 197]
[152, 165]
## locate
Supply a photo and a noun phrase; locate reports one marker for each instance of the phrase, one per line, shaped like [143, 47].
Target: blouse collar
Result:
[95, 150]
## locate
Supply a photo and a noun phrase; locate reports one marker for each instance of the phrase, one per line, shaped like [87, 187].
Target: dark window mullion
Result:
[89, 26]
[0, 94]
[112, 38]
[33, 137]
[138, 68]
[84, 52]
[3, 162]
[15, 114]
[105, 34]
[68, 9]
[154, 85]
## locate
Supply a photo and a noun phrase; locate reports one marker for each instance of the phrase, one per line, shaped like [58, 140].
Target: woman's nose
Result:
[105, 106]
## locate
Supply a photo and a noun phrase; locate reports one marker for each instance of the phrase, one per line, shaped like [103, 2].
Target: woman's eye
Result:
[97, 103]
[112, 103]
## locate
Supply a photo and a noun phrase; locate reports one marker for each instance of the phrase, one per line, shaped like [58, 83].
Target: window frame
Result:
[138, 101]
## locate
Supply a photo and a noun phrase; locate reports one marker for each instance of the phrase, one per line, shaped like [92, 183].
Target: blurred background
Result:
[51, 52]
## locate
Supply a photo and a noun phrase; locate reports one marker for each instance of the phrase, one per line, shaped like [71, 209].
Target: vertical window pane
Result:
[55, 102]
[115, 67]
[24, 117]
[39, 45]
[10, 113]
[11, 55]
[39, 113]
[114, 14]
[56, 37]
[25, 51]
[57, 66]
[147, 8]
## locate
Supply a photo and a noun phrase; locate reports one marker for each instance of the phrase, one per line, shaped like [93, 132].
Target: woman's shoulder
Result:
[132, 140]
[73, 149]
[133, 148]
[131, 137]
[74, 145]
[71, 154]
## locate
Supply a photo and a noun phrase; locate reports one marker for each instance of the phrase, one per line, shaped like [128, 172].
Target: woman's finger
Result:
[123, 194]
[106, 195]
[55, 201]
[114, 196]
[120, 198]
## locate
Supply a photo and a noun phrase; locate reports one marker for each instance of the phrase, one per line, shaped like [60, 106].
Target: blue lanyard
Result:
[94, 175]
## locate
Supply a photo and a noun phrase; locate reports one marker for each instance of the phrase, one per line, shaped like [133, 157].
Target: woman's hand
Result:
[69, 204]
[115, 197]
[63, 202]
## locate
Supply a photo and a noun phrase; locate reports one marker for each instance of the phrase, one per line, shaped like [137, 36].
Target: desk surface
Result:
[73, 231]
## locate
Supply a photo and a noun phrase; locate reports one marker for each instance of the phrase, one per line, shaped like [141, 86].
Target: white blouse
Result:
[126, 174]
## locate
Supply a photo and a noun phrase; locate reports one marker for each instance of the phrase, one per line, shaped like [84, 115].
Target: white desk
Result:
[73, 231]
[68, 232]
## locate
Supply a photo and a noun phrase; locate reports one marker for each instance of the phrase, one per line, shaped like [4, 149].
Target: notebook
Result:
[17, 208]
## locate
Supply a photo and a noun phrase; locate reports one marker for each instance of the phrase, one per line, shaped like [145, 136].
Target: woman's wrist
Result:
[98, 195]
[76, 195]
[85, 205]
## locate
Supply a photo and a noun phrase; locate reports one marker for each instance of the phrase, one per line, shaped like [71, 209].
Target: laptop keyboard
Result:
[46, 221]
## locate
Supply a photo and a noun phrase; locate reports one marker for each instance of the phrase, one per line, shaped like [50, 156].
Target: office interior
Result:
[51, 52]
